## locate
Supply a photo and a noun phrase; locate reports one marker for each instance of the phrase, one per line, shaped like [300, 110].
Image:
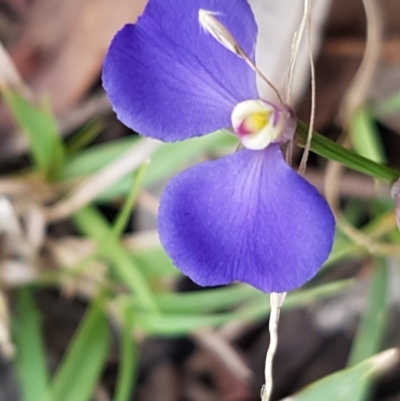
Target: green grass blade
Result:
[344, 385]
[128, 359]
[372, 324]
[177, 324]
[154, 263]
[126, 211]
[166, 161]
[365, 136]
[95, 157]
[31, 356]
[91, 223]
[84, 136]
[81, 366]
[207, 300]
[332, 151]
[170, 158]
[42, 133]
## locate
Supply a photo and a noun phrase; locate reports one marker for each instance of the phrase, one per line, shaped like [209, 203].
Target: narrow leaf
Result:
[31, 356]
[365, 136]
[343, 385]
[332, 151]
[173, 324]
[372, 326]
[128, 359]
[81, 366]
[42, 133]
[90, 222]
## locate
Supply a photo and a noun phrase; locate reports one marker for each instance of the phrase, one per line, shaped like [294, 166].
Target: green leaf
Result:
[42, 133]
[365, 136]
[208, 300]
[31, 355]
[170, 158]
[84, 136]
[126, 211]
[81, 366]
[177, 324]
[94, 158]
[372, 325]
[166, 161]
[91, 223]
[344, 385]
[154, 263]
[332, 151]
[127, 371]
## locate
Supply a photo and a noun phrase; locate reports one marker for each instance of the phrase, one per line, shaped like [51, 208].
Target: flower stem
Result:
[332, 151]
[276, 300]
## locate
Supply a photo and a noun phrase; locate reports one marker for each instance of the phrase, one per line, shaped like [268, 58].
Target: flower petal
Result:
[168, 79]
[246, 217]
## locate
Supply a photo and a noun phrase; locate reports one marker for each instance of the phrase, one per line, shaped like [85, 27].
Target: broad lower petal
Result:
[168, 79]
[246, 217]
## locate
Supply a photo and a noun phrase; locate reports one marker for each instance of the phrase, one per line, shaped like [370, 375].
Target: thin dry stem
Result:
[357, 92]
[297, 37]
[296, 41]
[304, 159]
[353, 100]
[276, 300]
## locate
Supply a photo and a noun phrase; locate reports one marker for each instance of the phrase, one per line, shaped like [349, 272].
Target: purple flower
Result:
[247, 216]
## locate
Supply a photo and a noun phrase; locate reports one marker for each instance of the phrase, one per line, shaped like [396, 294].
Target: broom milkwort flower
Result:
[247, 216]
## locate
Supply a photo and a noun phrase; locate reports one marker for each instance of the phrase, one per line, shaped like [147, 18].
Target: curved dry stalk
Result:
[276, 300]
[297, 37]
[306, 152]
[357, 92]
[353, 100]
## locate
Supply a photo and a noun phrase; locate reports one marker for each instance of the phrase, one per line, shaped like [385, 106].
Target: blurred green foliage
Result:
[146, 303]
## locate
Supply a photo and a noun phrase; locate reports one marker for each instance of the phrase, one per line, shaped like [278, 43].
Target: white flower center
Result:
[258, 123]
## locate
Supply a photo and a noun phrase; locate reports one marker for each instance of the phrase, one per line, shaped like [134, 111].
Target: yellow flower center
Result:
[255, 122]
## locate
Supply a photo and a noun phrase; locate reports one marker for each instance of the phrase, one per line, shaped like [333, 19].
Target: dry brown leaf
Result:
[61, 50]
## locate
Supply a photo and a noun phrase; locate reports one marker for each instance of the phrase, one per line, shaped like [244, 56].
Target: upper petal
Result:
[168, 79]
[246, 217]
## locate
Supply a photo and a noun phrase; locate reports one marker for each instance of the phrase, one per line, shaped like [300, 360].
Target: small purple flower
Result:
[247, 216]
